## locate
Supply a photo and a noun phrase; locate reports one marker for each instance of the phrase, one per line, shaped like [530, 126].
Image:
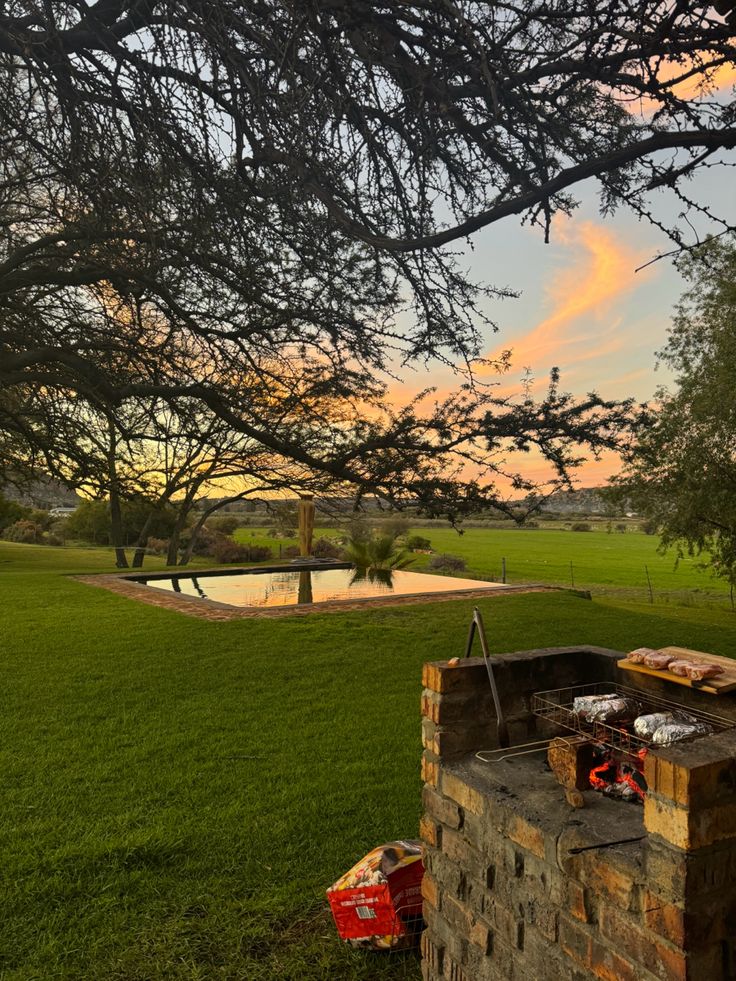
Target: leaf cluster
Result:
[681, 472]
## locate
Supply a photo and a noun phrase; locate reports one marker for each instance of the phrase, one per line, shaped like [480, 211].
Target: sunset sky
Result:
[583, 306]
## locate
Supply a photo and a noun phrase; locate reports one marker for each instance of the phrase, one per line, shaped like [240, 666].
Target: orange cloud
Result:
[593, 473]
[698, 85]
[601, 268]
[582, 325]
[689, 88]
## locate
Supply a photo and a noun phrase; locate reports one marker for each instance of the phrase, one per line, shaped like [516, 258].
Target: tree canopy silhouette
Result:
[253, 205]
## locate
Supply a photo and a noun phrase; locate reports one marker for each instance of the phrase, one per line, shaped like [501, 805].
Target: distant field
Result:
[612, 563]
[33, 558]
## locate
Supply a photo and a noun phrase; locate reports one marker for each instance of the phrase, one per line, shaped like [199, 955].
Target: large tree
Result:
[250, 204]
[681, 472]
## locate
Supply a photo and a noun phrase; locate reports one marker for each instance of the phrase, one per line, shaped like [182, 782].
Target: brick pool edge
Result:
[123, 585]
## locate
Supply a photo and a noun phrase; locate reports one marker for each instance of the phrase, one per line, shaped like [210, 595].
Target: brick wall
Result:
[516, 883]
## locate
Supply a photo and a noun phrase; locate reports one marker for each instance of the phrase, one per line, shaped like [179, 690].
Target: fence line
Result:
[680, 596]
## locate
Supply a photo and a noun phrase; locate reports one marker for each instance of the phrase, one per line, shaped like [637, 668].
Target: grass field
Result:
[607, 563]
[177, 794]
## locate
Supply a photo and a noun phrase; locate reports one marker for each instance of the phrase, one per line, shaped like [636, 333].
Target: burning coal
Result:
[623, 779]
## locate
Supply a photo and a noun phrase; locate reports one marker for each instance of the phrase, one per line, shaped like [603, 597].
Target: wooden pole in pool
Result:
[306, 525]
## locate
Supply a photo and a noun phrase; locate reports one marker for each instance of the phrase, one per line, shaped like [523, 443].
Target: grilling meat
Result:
[637, 656]
[658, 660]
[698, 672]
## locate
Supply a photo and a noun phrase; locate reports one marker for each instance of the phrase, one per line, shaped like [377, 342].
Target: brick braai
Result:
[520, 885]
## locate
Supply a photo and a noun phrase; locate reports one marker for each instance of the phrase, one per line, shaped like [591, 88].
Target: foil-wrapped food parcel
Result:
[666, 728]
[675, 732]
[661, 728]
[646, 725]
[606, 708]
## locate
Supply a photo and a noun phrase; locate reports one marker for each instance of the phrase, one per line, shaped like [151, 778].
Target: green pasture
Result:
[177, 794]
[611, 563]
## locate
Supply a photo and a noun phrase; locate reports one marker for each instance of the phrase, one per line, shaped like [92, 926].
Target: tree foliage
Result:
[250, 206]
[90, 521]
[681, 473]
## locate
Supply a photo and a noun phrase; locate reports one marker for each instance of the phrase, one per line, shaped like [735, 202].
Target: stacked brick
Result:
[513, 892]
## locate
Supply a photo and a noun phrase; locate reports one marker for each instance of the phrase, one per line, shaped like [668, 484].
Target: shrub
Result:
[290, 552]
[91, 521]
[580, 526]
[225, 524]
[25, 532]
[41, 518]
[58, 529]
[53, 539]
[10, 512]
[258, 553]
[397, 526]
[204, 542]
[325, 548]
[416, 543]
[225, 550]
[621, 528]
[158, 546]
[357, 528]
[447, 563]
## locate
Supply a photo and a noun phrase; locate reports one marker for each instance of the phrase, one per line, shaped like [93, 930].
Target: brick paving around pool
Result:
[211, 610]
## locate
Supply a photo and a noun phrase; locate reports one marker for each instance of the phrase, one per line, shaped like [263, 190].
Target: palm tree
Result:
[377, 552]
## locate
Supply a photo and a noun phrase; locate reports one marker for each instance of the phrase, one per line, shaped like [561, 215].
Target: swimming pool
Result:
[296, 586]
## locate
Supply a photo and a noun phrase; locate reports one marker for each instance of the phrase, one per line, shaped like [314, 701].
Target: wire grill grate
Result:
[556, 706]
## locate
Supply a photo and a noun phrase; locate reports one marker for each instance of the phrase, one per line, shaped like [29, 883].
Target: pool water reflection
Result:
[293, 587]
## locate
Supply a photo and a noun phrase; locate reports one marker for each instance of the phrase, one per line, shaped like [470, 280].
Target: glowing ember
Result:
[623, 779]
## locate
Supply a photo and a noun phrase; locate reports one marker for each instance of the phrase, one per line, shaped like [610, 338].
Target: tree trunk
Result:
[185, 507]
[116, 515]
[187, 553]
[140, 546]
[193, 534]
[172, 553]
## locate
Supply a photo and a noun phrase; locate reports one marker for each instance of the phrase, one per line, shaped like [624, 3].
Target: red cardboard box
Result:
[378, 903]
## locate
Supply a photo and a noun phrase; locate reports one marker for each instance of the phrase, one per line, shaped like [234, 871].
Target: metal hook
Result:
[477, 624]
[539, 746]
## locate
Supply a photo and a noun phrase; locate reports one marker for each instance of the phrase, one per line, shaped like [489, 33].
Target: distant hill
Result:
[44, 492]
[586, 500]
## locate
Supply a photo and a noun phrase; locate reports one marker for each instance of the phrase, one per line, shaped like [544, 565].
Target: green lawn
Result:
[177, 794]
[611, 563]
